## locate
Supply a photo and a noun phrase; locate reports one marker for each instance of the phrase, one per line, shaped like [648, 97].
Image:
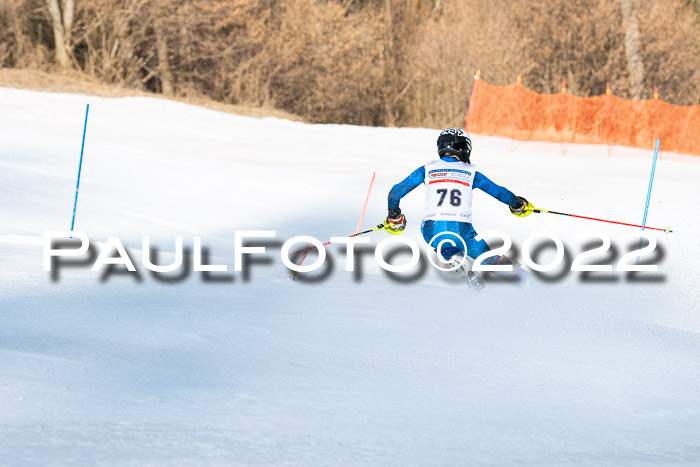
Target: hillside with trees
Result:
[368, 62]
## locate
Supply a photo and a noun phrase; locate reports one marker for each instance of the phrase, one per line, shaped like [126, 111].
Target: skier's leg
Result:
[452, 251]
[478, 247]
[435, 232]
[475, 248]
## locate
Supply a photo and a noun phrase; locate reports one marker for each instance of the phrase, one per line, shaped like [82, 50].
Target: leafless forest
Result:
[370, 62]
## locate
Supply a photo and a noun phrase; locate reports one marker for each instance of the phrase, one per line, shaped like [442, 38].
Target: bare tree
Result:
[390, 64]
[62, 23]
[635, 65]
[162, 51]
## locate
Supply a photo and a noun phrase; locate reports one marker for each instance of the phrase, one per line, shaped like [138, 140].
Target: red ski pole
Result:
[667, 229]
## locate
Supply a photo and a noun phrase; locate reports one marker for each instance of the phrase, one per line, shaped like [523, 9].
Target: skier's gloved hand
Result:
[395, 222]
[523, 208]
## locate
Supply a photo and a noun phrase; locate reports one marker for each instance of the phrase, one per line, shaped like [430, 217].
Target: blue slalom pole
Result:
[80, 167]
[651, 182]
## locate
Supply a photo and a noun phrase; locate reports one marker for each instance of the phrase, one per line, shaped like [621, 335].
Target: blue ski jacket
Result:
[407, 185]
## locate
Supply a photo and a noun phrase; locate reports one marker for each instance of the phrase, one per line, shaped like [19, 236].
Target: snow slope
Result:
[118, 369]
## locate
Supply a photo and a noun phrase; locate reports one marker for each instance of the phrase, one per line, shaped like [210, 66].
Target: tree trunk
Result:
[390, 68]
[635, 65]
[436, 9]
[59, 38]
[164, 75]
[68, 7]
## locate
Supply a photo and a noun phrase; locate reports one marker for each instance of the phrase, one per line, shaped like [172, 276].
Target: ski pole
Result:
[379, 227]
[667, 229]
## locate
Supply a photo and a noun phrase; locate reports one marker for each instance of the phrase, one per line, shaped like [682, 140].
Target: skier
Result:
[449, 182]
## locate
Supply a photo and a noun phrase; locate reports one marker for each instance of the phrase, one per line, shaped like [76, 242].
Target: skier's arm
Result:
[518, 205]
[403, 188]
[501, 194]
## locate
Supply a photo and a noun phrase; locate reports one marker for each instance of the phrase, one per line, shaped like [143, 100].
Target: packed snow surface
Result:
[337, 368]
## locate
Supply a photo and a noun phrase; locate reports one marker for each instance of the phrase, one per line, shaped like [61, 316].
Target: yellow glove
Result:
[525, 208]
[396, 225]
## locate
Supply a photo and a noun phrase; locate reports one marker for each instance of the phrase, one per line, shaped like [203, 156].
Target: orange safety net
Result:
[516, 112]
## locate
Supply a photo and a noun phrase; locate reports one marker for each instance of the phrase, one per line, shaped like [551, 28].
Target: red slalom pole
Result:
[470, 105]
[364, 208]
[667, 229]
[515, 113]
[357, 229]
[609, 117]
[563, 110]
